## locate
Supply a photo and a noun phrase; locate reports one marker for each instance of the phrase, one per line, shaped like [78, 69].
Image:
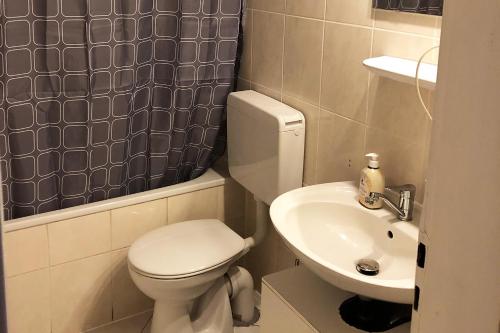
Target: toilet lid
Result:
[185, 248]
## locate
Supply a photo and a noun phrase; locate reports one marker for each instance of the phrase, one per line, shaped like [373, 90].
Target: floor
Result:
[140, 324]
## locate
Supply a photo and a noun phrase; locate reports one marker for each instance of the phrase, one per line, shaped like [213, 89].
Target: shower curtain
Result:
[104, 98]
[432, 7]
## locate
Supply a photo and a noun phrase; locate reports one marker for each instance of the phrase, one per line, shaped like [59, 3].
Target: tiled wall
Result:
[69, 276]
[308, 54]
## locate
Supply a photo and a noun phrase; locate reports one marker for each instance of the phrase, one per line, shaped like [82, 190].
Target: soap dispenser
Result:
[372, 180]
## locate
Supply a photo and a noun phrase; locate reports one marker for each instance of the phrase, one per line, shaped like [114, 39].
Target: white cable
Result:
[417, 80]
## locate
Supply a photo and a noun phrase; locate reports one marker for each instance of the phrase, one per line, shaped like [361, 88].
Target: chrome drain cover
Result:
[368, 267]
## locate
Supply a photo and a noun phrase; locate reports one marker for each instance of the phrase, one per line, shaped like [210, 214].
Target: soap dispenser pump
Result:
[372, 180]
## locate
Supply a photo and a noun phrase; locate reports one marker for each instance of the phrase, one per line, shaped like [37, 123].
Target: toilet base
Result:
[213, 311]
[210, 314]
[170, 318]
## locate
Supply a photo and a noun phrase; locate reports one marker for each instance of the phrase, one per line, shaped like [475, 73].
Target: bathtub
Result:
[209, 179]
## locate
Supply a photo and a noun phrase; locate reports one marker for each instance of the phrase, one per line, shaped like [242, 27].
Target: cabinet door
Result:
[278, 317]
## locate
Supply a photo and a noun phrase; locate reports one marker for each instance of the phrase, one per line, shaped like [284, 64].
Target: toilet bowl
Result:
[177, 265]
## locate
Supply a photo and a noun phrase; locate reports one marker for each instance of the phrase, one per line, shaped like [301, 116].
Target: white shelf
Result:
[403, 70]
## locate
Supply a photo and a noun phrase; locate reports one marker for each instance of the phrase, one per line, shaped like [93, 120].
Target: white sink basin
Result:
[326, 227]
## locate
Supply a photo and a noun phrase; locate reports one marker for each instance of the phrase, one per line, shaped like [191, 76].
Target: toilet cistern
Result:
[404, 207]
[266, 141]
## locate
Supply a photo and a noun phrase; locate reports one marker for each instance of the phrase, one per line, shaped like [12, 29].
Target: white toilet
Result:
[186, 267]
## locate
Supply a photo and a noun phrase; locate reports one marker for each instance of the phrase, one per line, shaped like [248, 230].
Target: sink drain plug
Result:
[368, 267]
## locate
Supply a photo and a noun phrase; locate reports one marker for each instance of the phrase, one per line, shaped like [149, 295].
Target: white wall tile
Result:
[28, 302]
[127, 298]
[129, 223]
[79, 237]
[26, 250]
[202, 204]
[81, 294]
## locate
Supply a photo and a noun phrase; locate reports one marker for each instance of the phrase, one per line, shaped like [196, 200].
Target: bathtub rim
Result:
[209, 179]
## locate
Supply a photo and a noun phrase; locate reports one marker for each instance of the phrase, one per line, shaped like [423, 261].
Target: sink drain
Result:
[368, 267]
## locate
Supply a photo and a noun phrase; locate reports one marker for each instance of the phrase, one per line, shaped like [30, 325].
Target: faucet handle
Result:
[403, 205]
[406, 194]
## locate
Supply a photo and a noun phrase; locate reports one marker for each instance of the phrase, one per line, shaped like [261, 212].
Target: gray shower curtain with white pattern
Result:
[104, 98]
[431, 7]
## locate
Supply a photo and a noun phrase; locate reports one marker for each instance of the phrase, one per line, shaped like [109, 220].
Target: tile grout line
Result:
[51, 297]
[110, 216]
[316, 153]
[251, 45]
[368, 84]
[343, 117]
[90, 330]
[283, 57]
[372, 26]
[111, 264]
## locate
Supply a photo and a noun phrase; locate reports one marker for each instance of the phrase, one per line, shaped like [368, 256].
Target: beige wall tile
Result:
[400, 45]
[272, 6]
[269, 256]
[28, 302]
[345, 81]
[243, 84]
[437, 30]
[26, 250]
[394, 109]
[79, 237]
[202, 204]
[262, 259]
[307, 8]
[250, 210]
[267, 49]
[285, 258]
[129, 223]
[406, 22]
[127, 298]
[401, 161]
[276, 94]
[311, 113]
[302, 60]
[237, 225]
[232, 201]
[340, 148]
[246, 57]
[350, 11]
[81, 294]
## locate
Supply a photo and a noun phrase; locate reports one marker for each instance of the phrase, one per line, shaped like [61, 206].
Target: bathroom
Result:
[209, 153]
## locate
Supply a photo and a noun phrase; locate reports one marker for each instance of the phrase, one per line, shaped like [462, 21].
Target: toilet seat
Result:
[177, 277]
[184, 249]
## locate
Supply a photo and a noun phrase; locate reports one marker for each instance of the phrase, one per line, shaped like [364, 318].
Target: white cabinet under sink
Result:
[297, 301]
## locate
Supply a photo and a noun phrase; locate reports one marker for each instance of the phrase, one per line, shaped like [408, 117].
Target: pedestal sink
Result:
[330, 232]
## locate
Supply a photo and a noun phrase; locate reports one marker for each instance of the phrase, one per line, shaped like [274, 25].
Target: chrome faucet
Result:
[404, 209]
